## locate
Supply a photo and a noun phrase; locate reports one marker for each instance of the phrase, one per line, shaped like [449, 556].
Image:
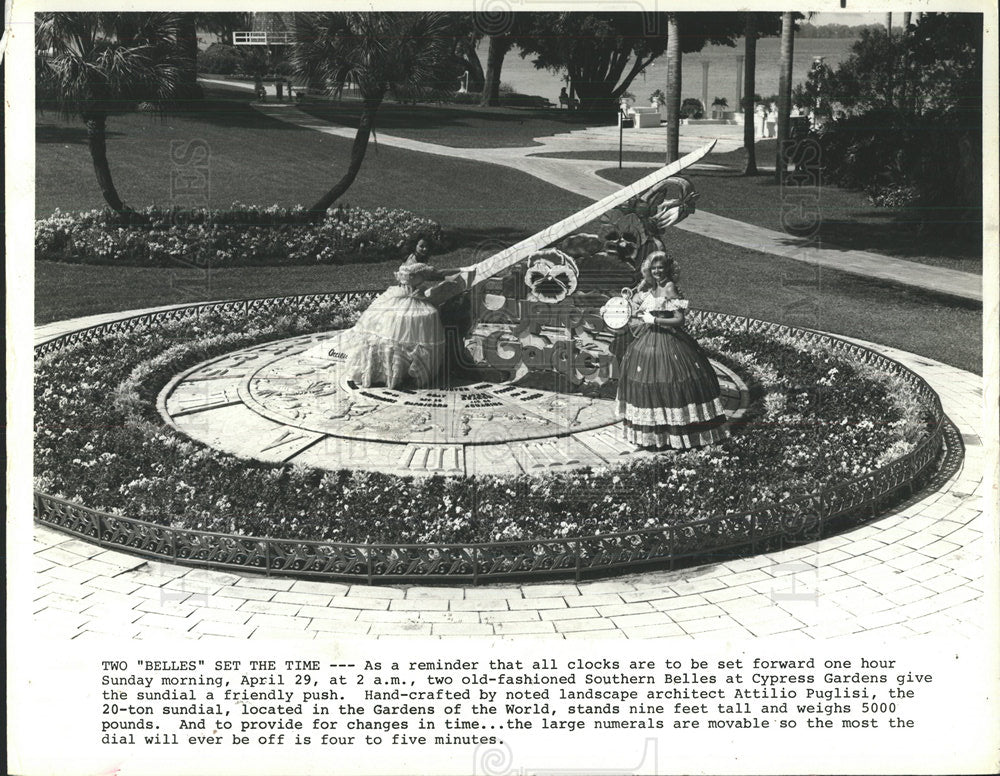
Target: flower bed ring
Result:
[802, 519]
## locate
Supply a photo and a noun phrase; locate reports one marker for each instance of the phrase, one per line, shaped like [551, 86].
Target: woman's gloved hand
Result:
[648, 317]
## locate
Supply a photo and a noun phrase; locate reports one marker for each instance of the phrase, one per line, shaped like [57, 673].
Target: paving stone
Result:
[602, 635]
[461, 629]
[66, 574]
[60, 602]
[603, 599]
[368, 615]
[329, 613]
[64, 589]
[601, 588]
[80, 547]
[207, 614]
[518, 628]
[100, 568]
[400, 629]
[454, 617]
[586, 624]
[333, 589]
[728, 594]
[270, 607]
[635, 620]
[170, 608]
[219, 628]
[419, 605]
[665, 630]
[266, 583]
[711, 624]
[113, 585]
[381, 593]
[327, 628]
[695, 612]
[573, 613]
[550, 591]
[757, 575]
[112, 614]
[119, 559]
[654, 594]
[527, 615]
[536, 603]
[246, 593]
[282, 634]
[277, 621]
[220, 602]
[480, 604]
[60, 557]
[178, 624]
[438, 593]
[491, 592]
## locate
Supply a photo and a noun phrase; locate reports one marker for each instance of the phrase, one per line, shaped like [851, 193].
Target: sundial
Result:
[281, 402]
[530, 387]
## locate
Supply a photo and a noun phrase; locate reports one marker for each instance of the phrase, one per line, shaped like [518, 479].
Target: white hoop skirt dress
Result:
[668, 394]
[398, 338]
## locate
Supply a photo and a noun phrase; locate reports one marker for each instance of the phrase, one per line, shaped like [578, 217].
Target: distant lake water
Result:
[526, 79]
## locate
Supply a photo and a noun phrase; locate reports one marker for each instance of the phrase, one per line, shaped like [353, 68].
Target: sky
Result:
[851, 19]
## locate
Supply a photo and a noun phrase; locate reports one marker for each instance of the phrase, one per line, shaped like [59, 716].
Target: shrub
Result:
[692, 108]
[928, 165]
[220, 59]
[244, 235]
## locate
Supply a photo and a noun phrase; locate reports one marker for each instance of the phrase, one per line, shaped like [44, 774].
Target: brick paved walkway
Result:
[917, 571]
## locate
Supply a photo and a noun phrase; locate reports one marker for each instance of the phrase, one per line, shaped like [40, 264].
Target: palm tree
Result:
[673, 90]
[749, 89]
[95, 64]
[784, 90]
[406, 54]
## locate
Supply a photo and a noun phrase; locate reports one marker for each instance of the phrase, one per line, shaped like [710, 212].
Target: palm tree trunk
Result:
[358, 150]
[749, 89]
[673, 90]
[904, 91]
[784, 91]
[494, 63]
[187, 38]
[96, 141]
[889, 86]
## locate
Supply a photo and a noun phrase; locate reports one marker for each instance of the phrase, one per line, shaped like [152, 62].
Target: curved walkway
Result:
[581, 177]
[917, 571]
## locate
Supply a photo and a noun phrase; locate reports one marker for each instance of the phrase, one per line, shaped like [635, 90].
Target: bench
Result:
[645, 117]
[569, 102]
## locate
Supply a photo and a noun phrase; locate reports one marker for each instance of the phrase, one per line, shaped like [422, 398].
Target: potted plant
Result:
[657, 98]
[719, 107]
[691, 108]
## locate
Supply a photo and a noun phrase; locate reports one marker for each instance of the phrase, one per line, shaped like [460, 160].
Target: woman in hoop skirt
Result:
[668, 394]
[399, 338]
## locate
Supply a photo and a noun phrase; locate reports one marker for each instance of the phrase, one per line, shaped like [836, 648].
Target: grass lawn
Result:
[849, 220]
[459, 126]
[257, 160]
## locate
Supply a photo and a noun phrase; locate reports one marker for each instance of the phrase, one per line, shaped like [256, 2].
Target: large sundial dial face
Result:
[291, 401]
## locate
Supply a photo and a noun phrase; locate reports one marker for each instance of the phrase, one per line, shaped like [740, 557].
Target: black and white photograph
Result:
[502, 388]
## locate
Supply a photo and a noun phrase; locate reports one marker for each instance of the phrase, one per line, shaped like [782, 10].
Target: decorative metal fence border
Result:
[797, 521]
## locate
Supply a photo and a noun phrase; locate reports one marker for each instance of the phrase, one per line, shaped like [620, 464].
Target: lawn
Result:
[459, 126]
[849, 220]
[484, 207]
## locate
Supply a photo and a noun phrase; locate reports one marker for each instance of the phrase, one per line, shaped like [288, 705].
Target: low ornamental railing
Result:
[798, 520]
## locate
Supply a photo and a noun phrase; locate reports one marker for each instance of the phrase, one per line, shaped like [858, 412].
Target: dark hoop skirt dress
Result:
[668, 394]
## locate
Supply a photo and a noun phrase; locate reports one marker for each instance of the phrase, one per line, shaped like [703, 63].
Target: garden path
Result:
[581, 177]
[919, 570]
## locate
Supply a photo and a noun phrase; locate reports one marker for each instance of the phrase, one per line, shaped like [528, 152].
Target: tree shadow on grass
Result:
[65, 134]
